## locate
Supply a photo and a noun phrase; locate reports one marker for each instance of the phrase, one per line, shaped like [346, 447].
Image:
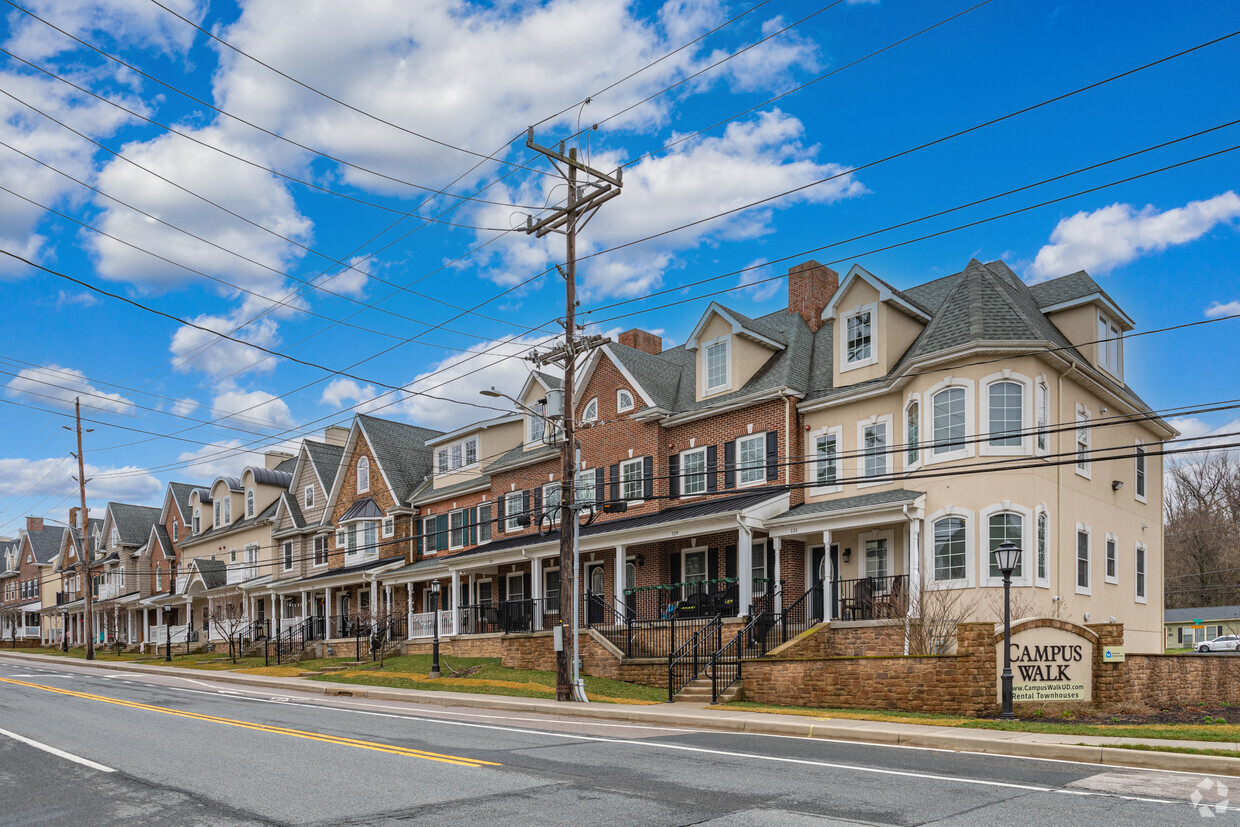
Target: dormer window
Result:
[197, 520]
[249, 503]
[309, 496]
[459, 455]
[227, 509]
[590, 414]
[116, 536]
[176, 531]
[363, 475]
[859, 347]
[624, 401]
[537, 425]
[717, 365]
[1110, 347]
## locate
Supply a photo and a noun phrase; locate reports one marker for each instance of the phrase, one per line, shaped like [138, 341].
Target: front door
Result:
[346, 608]
[630, 588]
[594, 606]
[818, 565]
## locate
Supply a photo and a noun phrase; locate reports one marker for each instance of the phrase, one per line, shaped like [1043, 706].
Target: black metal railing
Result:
[724, 666]
[873, 598]
[505, 616]
[700, 598]
[656, 638]
[259, 630]
[686, 662]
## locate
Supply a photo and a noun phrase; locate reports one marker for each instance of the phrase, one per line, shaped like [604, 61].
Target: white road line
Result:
[77, 759]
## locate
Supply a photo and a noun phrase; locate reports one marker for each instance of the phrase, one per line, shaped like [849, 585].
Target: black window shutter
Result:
[770, 565]
[729, 562]
[418, 536]
[675, 570]
[648, 477]
[614, 471]
[441, 528]
[536, 517]
[598, 486]
[499, 512]
[712, 563]
[729, 465]
[525, 506]
[772, 456]
[673, 476]
[712, 468]
[503, 588]
[527, 586]
[473, 526]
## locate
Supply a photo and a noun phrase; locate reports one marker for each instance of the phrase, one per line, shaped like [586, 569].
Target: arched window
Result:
[159, 577]
[950, 555]
[1006, 401]
[1004, 526]
[197, 520]
[1042, 413]
[624, 401]
[363, 475]
[949, 420]
[218, 520]
[1043, 540]
[912, 446]
[591, 412]
[249, 503]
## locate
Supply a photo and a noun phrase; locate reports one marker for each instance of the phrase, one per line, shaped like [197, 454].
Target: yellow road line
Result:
[275, 730]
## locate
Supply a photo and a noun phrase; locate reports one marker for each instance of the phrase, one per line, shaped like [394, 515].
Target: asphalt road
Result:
[80, 745]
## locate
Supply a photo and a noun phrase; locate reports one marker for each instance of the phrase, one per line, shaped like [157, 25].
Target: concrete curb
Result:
[756, 723]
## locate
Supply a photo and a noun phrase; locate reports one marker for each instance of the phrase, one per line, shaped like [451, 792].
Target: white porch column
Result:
[827, 575]
[305, 605]
[618, 585]
[455, 604]
[777, 543]
[744, 568]
[409, 610]
[331, 610]
[536, 590]
[914, 568]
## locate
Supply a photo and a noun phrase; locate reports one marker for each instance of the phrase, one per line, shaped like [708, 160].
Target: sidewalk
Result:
[1086, 749]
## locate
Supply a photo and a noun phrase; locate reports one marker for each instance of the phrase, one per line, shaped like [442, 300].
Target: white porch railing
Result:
[109, 591]
[158, 634]
[447, 622]
[240, 574]
[29, 631]
[182, 580]
[422, 625]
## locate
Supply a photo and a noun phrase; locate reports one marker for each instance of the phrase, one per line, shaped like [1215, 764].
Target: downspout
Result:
[1059, 488]
[913, 596]
[787, 436]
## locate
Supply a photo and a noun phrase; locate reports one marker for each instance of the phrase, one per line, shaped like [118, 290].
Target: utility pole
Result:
[568, 220]
[84, 534]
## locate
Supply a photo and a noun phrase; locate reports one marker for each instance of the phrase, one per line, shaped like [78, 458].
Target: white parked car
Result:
[1225, 643]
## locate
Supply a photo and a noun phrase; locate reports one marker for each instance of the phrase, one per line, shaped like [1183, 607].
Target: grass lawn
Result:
[1227, 733]
[410, 672]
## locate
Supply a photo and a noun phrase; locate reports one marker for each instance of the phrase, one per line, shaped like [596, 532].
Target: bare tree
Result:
[938, 610]
[228, 617]
[379, 624]
[1202, 538]
[10, 618]
[110, 627]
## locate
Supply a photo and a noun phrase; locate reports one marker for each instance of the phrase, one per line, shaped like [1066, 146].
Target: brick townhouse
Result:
[65, 609]
[847, 454]
[27, 562]
[121, 571]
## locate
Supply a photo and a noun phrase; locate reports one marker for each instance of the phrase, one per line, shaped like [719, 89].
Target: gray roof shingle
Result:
[133, 522]
[401, 452]
[325, 459]
[46, 543]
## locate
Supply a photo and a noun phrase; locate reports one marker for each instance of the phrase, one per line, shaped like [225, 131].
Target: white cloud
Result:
[251, 408]
[1112, 236]
[184, 407]
[344, 392]
[196, 349]
[40, 478]
[120, 23]
[770, 65]
[752, 160]
[66, 299]
[1217, 310]
[58, 387]
[462, 379]
[219, 459]
[758, 292]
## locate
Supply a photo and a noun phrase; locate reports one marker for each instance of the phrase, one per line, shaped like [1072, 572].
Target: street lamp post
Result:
[64, 631]
[435, 673]
[168, 633]
[1007, 558]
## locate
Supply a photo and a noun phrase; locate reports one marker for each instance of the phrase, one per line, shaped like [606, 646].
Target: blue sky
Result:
[267, 210]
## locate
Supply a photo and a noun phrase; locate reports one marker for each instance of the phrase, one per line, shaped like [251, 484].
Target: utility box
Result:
[557, 635]
[555, 404]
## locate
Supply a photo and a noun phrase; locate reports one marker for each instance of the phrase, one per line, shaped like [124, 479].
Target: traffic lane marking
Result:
[295, 733]
[77, 759]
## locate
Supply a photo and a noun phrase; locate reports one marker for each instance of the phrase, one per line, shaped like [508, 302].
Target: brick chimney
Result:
[34, 523]
[75, 514]
[810, 286]
[336, 435]
[642, 340]
[273, 458]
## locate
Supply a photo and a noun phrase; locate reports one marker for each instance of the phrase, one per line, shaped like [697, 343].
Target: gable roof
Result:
[159, 535]
[362, 509]
[742, 325]
[133, 522]
[213, 573]
[324, 460]
[178, 494]
[45, 544]
[287, 504]
[886, 293]
[400, 451]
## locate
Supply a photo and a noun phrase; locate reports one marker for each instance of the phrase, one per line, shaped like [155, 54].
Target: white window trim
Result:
[342, 540]
[510, 513]
[389, 526]
[1043, 582]
[287, 555]
[427, 551]
[1116, 370]
[362, 462]
[888, 535]
[970, 546]
[520, 578]
[1028, 538]
[761, 480]
[1136, 490]
[684, 475]
[532, 441]
[1040, 383]
[1088, 471]
[443, 456]
[836, 431]
[705, 551]
[1108, 578]
[1141, 598]
[1082, 528]
[250, 503]
[585, 412]
[913, 399]
[725, 340]
[1026, 415]
[620, 406]
[861, 475]
[464, 529]
[845, 365]
[555, 520]
[308, 496]
[314, 555]
[641, 464]
[970, 422]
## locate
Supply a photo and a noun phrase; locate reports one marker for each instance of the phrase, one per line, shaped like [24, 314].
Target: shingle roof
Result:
[326, 460]
[401, 452]
[46, 543]
[266, 514]
[549, 380]
[427, 493]
[1076, 285]
[1206, 613]
[287, 467]
[294, 509]
[517, 455]
[180, 493]
[273, 476]
[369, 564]
[899, 495]
[362, 509]
[165, 542]
[214, 573]
[133, 522]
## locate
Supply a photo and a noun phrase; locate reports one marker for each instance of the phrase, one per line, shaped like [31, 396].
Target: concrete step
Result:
[699, 692]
